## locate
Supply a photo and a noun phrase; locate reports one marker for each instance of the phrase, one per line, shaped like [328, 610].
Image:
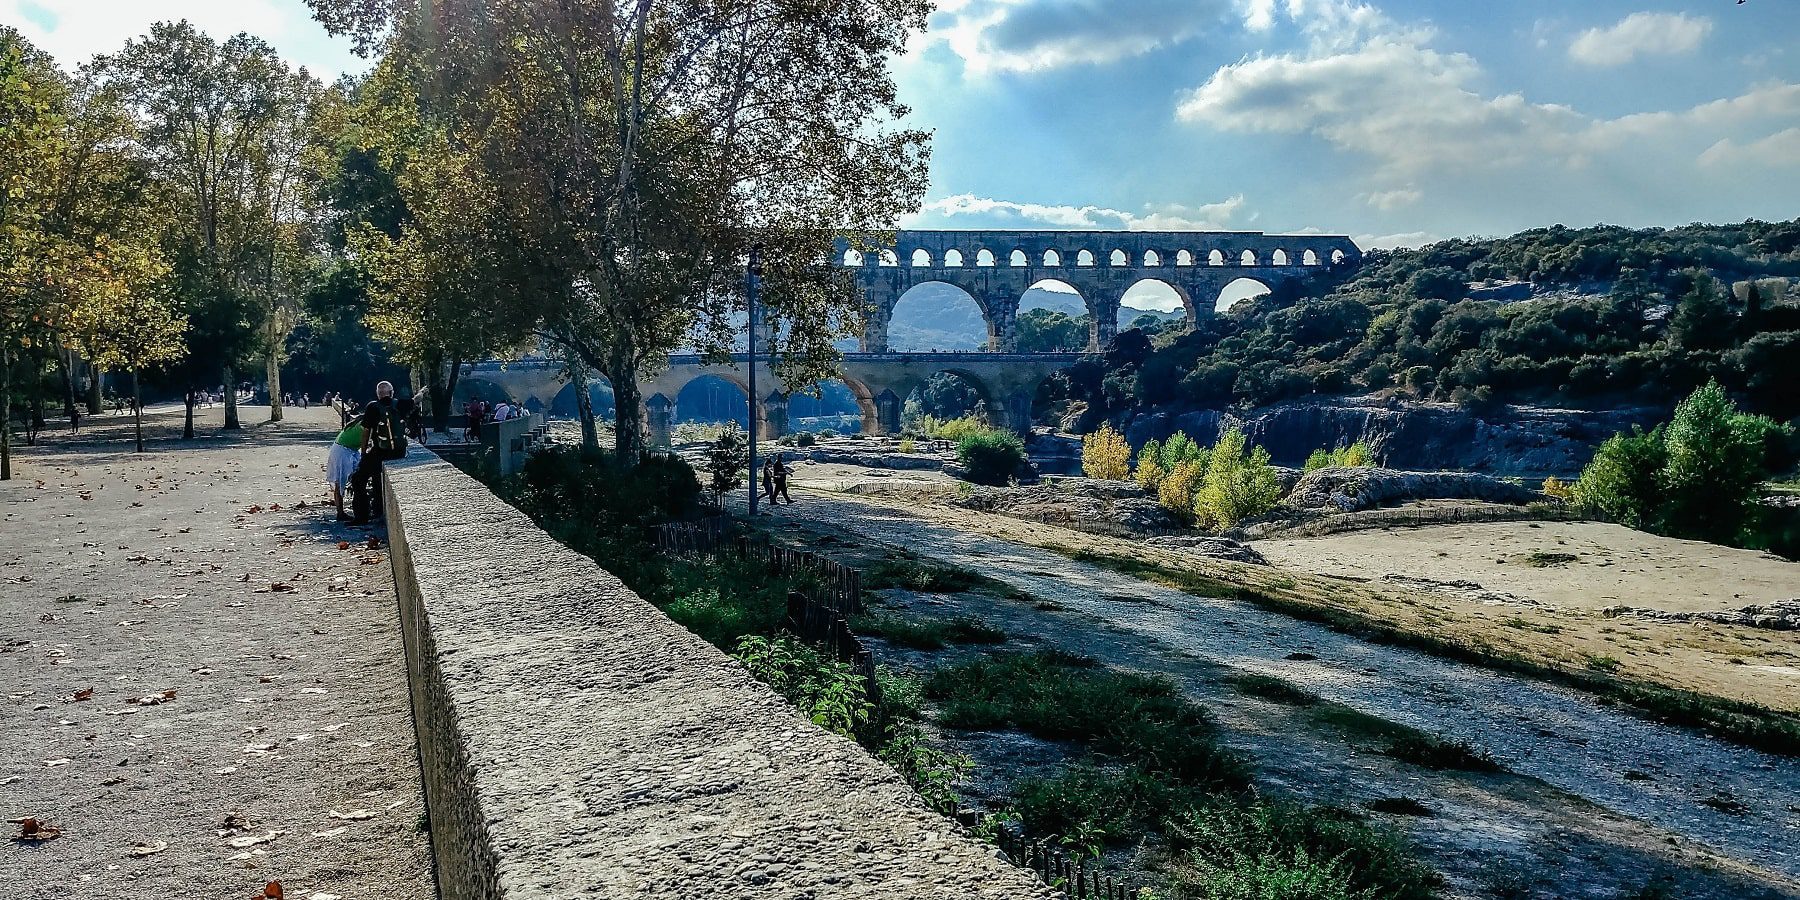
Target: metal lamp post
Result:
[751, 275]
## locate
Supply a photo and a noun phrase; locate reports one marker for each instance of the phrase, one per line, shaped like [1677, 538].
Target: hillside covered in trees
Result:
[1614, 316]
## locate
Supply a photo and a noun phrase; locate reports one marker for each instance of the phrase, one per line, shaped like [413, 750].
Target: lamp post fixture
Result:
[752, 273]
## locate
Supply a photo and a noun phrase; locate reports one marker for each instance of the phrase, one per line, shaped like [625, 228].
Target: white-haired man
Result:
[384, 438]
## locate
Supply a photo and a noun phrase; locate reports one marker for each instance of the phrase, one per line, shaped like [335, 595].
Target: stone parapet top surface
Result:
[611, 753]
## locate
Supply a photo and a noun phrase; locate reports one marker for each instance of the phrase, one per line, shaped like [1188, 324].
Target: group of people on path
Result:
[478, 411]
[775, 472]
[374, 436]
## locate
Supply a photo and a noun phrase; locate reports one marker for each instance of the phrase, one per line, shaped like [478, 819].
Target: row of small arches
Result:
[921, 259]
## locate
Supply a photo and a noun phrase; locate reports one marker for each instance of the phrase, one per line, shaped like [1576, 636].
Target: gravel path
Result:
[1741, 802]
[248, 718]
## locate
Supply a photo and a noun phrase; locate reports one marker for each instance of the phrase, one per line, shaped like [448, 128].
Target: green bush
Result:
[1432, 752]
[828, 692]
[929, 633]
[1357, 454]
[802, 438]
[913, 575]
[1237, 486]
[1089, 806]
[952, 430]
[1280, 850]
[720, 599]
[991, 456]
[595, 506]
[1698, 479]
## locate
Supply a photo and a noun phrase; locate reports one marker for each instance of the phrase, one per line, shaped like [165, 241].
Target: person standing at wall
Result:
[384, 438]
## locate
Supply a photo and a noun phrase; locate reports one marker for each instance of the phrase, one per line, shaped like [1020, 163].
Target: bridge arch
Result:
[1215, 258]
[984, 258]
[921, 258]
[1184, 258]
[1154, 283]
[1084, 258]
[1238, 290]
[924, 313]
[1309, 257]
[1052, 259]
[1279, 257]
[953, 258]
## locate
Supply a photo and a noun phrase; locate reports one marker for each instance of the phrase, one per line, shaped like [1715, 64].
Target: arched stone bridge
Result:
[1007, 383]
[996, 268]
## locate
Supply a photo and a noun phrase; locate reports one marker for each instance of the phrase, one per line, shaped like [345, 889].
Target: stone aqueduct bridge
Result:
[995, 268]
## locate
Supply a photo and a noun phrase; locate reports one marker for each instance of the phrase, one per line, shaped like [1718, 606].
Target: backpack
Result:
[389, 431]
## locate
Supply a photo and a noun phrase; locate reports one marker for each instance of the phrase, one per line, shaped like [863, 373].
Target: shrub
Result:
[1089, 806]
[827, 433]
[727, 459]
[1280, 849]
[1357, 454]
[906, 445]
[1149, 472]
[1105, 454]
[720, 599]
[1177, 488]
[828, 692]
[1557, 489]
[1237, 486]
[991, 456]
[595, 506]
[913, 575]
[803, 439]
[953, 430]
[1623, 480]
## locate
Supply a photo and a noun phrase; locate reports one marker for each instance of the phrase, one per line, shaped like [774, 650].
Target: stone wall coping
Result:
[576, 742]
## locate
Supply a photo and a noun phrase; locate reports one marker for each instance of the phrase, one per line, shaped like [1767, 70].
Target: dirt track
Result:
[285, 750]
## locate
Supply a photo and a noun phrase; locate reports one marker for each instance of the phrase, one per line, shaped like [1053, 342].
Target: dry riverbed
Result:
[1599, 802]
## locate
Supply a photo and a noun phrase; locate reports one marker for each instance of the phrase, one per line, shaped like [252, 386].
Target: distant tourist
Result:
[768, 481]
[341, 463]
[503, 411]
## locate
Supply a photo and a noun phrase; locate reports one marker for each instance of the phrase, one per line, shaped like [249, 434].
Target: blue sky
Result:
[1395, 121]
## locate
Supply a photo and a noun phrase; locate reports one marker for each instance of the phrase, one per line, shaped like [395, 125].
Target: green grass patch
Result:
[1278, 690]
[927, 633]
[1124, 716]
[913, 575]
[1526, 625]
[1543, 559]
[1267, 849]
[1433, 752]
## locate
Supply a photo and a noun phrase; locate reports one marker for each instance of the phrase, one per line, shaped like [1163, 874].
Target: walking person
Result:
[384, 438]
[781, 479]
[341, 463]
[768, 481]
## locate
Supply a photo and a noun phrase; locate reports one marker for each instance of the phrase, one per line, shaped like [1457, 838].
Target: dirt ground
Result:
[202, 690]
[1613, 565]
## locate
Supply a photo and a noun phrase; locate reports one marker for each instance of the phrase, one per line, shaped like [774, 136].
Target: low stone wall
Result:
[578, 743]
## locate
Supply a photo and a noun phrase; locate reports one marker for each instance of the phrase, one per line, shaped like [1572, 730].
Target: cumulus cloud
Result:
[994, 213]
[74, 31]
[1032, 35]
[1781, 149]
[1640, 34]
[1394, 199]
[1393, 241]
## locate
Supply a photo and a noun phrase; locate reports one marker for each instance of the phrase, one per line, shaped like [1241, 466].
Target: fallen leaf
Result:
[355, 815]
[32, 829]
[343, 545]
[272, 891]
[254, 839]
[374, 543]
[151, 849]
[155, 699]
[83, 694]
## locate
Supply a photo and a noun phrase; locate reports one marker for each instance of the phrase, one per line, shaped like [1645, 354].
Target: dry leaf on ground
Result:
[34, 829]
[354, 815]
[152, 848]
[272, 891]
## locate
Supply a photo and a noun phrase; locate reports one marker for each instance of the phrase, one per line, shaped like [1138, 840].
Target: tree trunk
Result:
[137, 410]
[628, 415]
[187, 425]
[273, 360]
[231, 415]
[5, 414]
[96, 400]
[65, 363]
[584, 404]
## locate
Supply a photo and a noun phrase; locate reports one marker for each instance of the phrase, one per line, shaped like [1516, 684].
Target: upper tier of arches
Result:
[1100, 249]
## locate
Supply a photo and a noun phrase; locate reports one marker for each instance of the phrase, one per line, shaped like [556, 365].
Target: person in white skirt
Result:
[345, 454]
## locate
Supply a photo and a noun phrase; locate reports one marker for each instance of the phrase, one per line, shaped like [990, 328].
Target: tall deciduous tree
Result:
[126, 318]
[31, 94]
[206, 113]
[645, 147]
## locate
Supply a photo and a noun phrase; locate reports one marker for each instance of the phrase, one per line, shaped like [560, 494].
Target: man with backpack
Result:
[384, 438]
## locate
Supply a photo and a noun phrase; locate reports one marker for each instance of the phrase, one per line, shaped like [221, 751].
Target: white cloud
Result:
[1391, 241]
[1779, 149]
[1008, 214]
[1034, 35]
[1394, 199]
[1640, 34]
[74, 31]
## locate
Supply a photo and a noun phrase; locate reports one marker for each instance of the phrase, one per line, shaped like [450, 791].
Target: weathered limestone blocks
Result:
[578, 743]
